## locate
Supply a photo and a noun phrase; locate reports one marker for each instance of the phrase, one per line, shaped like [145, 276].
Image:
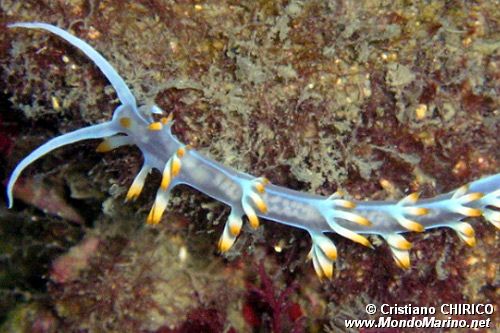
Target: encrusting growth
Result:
[256, 197]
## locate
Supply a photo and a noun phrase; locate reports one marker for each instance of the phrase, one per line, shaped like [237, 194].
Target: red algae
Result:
[68, 267]
[285, 315]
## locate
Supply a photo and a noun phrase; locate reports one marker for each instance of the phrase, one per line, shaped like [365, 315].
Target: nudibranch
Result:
[255, 197]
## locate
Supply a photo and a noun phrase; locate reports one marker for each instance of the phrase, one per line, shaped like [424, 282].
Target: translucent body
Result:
[254, 197]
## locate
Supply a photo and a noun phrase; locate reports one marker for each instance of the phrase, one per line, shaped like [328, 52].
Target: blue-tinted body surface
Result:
[254, 197]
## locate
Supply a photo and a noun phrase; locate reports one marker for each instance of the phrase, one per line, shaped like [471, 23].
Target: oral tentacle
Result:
[91, 132]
